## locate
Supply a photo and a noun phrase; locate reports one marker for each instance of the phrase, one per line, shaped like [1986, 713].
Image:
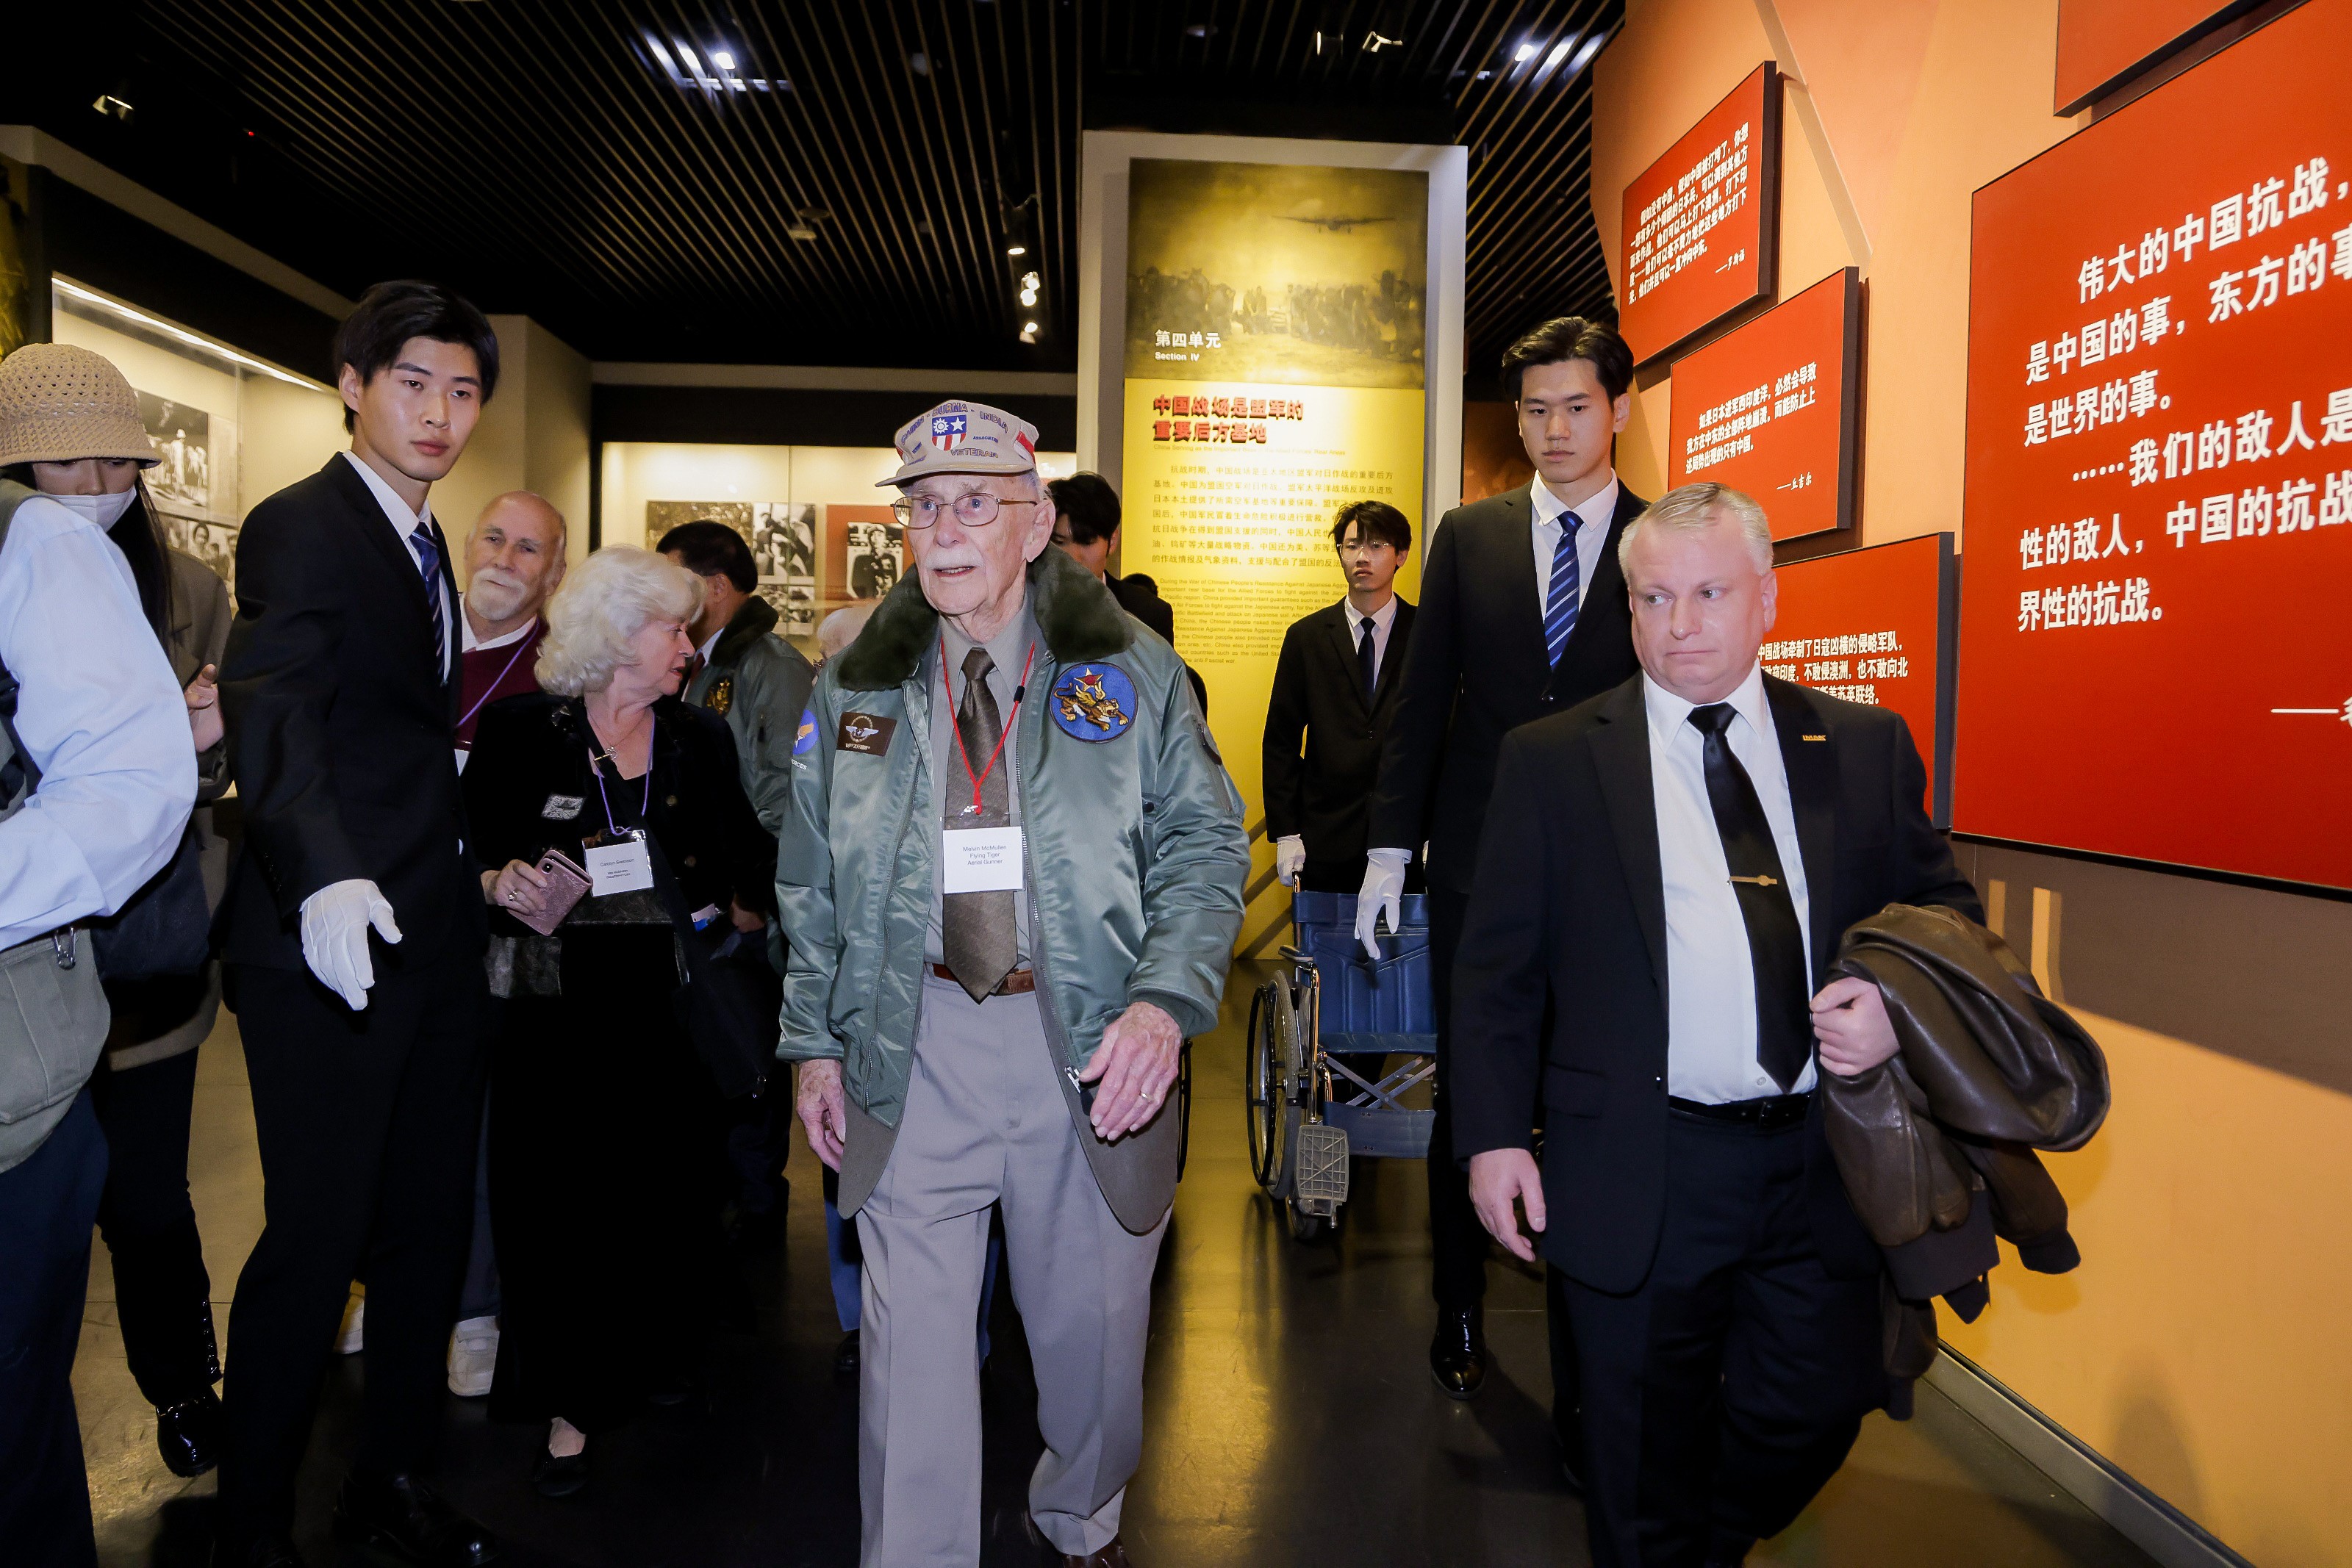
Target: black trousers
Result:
[368, 1124]
[1457, 1241]
[47, 1204]
[1723, 1394]
[162, 1291]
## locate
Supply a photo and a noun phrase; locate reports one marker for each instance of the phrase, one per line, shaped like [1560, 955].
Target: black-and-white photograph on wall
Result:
[182, 480]
[871, 559]
[783, 544]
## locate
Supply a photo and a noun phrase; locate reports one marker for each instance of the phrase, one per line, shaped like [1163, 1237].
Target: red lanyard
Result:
[1006, 734]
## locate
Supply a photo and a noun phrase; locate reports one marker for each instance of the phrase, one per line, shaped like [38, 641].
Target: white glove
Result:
[1289, 855]
[1383, 889]
[335, 922]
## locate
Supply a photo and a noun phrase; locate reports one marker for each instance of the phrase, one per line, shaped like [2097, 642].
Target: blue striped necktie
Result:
[429, 564]
[1559, 603]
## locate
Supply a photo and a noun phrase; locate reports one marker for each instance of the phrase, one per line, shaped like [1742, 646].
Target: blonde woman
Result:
[603, 1109]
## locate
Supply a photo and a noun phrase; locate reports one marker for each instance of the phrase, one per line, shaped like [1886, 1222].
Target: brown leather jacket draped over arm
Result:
[1989, 1070]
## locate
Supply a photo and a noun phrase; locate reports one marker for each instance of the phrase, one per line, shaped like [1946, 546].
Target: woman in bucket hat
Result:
[69, 428]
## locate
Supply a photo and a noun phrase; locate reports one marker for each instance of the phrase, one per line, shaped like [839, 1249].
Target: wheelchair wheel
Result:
[1261, 1088]
[1308, 1227]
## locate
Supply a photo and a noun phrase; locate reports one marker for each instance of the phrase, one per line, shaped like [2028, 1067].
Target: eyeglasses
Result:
[975, 509]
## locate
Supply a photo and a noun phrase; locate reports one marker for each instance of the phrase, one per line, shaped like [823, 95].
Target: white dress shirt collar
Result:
[1601, 506]
[1670, 715]
[396, 510]
[1382, 619]
[468, 642]
[710, 643]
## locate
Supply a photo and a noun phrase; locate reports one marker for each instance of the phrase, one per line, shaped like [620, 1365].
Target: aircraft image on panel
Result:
[1340, 225]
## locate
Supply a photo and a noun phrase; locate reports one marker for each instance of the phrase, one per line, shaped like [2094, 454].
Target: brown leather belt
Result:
[1019, 982]
[1771, 1114]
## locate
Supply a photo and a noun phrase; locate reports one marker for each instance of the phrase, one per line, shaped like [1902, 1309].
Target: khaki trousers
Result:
[987, 1123]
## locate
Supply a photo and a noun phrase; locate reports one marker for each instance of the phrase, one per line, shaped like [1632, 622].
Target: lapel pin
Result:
[1816, 737]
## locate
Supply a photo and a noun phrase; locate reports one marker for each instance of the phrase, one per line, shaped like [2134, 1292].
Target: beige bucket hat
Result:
[59, 404]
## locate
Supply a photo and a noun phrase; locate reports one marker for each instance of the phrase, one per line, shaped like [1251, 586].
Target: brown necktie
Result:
[976, 930]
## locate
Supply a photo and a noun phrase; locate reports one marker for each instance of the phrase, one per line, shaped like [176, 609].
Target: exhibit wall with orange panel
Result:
[2195, 1348]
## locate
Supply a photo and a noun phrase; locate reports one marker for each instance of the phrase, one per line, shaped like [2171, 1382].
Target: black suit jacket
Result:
[1570, 900]
[1139, 597]
[1325, 795]
[342, 728]
[1477, 670]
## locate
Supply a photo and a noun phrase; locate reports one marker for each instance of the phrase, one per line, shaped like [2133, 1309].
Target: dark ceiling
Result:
[819, 182]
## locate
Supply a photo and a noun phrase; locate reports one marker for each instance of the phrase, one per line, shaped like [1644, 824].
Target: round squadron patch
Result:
[804, 738]
[1094, 702]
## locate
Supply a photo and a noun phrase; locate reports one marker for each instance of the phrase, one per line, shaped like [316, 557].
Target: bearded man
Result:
[514, 559]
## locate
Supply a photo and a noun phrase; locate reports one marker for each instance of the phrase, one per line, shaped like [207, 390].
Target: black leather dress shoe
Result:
[844, 1358]
[270, 1551]
[1457, 1355]
[188, 1433]
[559, 1475]
[401, 1515]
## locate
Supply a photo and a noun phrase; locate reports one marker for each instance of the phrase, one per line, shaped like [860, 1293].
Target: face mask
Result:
[103, 510]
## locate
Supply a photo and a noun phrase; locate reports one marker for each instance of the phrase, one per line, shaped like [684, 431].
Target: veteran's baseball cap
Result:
[963, 438]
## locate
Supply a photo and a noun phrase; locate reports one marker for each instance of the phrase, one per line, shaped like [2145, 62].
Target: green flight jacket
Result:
[1136, 854]
[760, 684]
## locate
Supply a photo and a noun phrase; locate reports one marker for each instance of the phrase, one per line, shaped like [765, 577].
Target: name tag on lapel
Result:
[866, 733]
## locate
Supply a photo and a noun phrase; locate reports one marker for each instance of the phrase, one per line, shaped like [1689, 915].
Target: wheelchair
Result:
[1309, 1109]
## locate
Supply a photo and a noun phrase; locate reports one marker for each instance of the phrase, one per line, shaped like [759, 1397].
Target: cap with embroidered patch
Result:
[963, 438]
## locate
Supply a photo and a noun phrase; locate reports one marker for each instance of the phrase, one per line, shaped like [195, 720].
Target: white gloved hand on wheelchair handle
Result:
[1289, 857]
[335, 922]
[1383, 891]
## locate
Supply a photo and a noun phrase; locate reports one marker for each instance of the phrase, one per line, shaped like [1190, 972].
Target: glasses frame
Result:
[903, 509]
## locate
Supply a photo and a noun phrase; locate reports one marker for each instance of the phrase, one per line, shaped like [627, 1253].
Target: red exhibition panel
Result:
[1869, 625]
[2104, 43]
[2156, 656]
[1773, 408]
[1700, 233]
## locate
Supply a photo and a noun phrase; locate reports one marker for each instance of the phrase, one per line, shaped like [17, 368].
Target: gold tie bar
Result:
[1758, 880]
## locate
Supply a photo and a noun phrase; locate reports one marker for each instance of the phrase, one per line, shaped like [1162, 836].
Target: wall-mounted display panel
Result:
[229, 429]
[2159, 475]
[2103, 44]
[1774, 408]
[1875, 626]
[1701, 229]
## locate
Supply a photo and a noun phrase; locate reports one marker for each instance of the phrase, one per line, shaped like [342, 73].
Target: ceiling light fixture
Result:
[181, 334]
[1016, 250]
[108, 104]
[1527, 52]
[683, 67]
[1584, 55]
[1558, 53]
[722, 60]
[1374, 43]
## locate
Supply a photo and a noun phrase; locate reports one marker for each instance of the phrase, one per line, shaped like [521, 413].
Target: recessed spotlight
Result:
[1558, 53]
[1202, 30]
[1016, 250]
[722, 60]
[1584, 55]
[1527, 52]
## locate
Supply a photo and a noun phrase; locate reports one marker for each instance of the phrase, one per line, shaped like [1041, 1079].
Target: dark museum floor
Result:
[1293, 1421]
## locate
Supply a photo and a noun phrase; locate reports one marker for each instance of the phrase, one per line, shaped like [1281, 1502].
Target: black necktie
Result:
[1367, 661]
[976, 934]
[1775, 946]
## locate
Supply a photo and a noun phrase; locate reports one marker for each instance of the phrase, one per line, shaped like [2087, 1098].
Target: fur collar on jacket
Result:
[1078, 618]
[753, 620]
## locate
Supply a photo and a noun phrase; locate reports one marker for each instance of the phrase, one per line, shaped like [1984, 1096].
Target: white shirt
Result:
[1383, 623]
[468, 642]
[405, 523]
[1710, 977]
[1592, 520]
[710, 643]
[100, 715]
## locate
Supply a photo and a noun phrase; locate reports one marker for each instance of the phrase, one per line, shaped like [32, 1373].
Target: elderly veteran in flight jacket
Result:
[1010, 878]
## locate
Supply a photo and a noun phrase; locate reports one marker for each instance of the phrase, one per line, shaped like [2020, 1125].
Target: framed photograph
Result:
[783, 546]
[871, 561]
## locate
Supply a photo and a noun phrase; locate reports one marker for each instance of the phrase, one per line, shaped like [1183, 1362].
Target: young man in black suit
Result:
[365, 1059]
[1522, 614]
[1669, 873]
[1335, 689]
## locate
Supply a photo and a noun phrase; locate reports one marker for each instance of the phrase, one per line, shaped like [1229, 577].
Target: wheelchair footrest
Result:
[1322, 1163]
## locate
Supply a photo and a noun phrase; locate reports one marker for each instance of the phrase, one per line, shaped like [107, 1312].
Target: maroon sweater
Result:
[494, 672]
